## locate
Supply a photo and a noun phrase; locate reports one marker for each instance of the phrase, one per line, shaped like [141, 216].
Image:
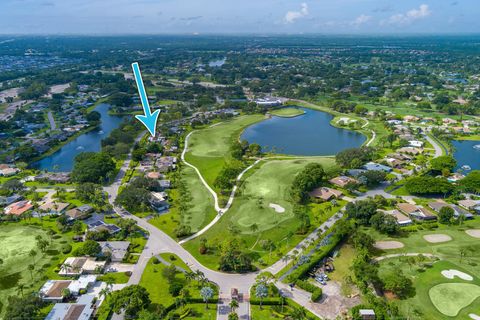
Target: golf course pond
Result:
[309, 134]
[467, 153]
[62, 160]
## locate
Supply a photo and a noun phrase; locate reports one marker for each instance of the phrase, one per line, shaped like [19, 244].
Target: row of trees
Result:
[309, 178]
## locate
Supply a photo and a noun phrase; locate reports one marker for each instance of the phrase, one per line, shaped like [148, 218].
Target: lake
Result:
[310, 134]
[62, 160]
[466, 154]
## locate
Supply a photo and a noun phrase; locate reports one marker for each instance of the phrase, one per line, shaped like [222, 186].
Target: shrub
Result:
[175, 288]
[306, 285]
[155, 260]
[317, 294]
[66, 249]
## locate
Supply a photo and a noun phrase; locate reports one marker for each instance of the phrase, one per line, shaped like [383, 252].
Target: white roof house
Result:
[116, 249]
[81, 310]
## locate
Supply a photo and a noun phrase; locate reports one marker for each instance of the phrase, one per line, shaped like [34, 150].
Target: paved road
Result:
[53, 125]
[438, 148]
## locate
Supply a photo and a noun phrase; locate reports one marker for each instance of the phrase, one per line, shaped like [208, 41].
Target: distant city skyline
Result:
[235, 17]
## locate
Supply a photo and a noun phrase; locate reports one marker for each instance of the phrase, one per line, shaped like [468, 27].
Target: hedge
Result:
[315, 258]
[317, 294]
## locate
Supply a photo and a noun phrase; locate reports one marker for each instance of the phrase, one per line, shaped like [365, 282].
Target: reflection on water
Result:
[308, 135]
[62, 160]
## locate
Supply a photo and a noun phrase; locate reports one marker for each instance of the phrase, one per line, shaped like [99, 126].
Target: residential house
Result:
[17, 208]
[116, 250]
[410, 150]
[457, 211]
[416, 212]
[325, 193]
[56, 177]
[159, 201]
[74, 266]
[402, 220]
[54, 207]
[473, 205]
[5, 201]
[83, 309]
[343, 181]
[164, 184]
[416, 143]
[7, 172]
[155, 175]
[52, 290]
[376, 167]
[367, 314]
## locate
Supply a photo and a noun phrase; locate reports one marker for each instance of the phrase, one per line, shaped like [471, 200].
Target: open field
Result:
[208, 148]
[265, 184]
[287, 112]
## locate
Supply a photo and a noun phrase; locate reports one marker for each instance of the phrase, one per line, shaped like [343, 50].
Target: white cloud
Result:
[291, 16]
[410, 16]
[361, 19]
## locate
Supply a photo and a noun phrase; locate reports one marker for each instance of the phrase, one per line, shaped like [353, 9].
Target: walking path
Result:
[219, 210]
[388, 256]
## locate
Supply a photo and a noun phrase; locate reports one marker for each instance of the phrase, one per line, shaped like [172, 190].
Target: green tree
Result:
[206, 293]
[92, 167]
[445, 215]
[443, 163]
[131, 300]
[261, 292]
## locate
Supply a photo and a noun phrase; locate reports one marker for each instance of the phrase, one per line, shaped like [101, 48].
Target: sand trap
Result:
[474, 316]
[386, 245]
[473, 233]
[278, 208]
[437, 238]
[452, 273]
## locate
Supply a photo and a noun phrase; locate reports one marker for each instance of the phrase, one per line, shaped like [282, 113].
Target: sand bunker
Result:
[278, 208]
[386, 245]
[473, 233]
[452, 273]
[437, 238]
[474, 316]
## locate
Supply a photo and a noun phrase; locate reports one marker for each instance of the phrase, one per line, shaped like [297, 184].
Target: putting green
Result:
[269, 184]
[450, 298]
[16, 244]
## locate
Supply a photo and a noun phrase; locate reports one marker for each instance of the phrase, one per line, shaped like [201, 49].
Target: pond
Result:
[310, 134]
[467, 154]
[62, 160]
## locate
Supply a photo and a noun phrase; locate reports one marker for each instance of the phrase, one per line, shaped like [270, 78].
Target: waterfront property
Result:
[467, 154]
[62, 160]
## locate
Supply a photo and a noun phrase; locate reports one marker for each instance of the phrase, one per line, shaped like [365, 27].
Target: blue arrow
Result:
[149, 120]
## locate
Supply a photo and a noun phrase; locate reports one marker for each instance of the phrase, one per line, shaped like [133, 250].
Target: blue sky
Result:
[238, 16]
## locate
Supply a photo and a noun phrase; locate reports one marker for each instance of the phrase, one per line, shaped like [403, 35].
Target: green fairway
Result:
[287, 112]
[450, 298]
[200, 211]
[267, 183]
[208, 149]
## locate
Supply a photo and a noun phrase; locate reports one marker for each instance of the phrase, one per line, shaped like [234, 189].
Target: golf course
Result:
[447, 285]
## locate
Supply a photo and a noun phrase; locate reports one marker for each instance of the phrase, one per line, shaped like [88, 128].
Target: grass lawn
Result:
[267, 183]
[209, 147]
[343, 268]
[114, 277]
[436, 297]
[287, 112]
[200, 212]
[277, 312]
[17, 240]
[158, 286]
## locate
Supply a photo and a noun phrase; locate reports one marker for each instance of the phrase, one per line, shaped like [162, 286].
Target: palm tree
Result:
[206, 293]
[261, 292]
[31, 267]
[65, 267]
[20, 288]
[233, 304]
[232, 316]
[105, 292]
[254, 227]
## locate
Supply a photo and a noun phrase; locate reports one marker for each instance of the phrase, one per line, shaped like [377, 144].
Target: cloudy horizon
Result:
[231, 17]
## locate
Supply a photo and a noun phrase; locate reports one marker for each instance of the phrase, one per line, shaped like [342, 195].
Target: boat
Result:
[477, 146]
[80, 148]
[466, 167]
